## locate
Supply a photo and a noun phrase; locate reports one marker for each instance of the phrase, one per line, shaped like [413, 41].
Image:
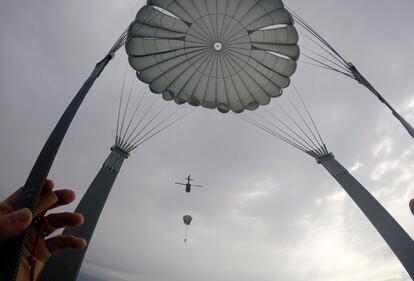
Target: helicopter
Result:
[188, 185]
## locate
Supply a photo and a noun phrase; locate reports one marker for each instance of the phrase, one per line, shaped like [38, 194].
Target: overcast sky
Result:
[268, 212]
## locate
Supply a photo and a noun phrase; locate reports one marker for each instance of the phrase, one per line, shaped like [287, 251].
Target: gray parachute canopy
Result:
[227, 54]
[187, 219]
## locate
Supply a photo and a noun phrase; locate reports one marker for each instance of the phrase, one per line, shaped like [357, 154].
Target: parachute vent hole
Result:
[275, 26]
[166, 12]
[218, 46]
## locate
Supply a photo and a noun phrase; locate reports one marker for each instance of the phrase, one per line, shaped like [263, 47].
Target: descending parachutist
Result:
[187, 220]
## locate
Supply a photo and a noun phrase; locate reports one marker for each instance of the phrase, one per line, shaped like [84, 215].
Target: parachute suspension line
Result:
[323, 47]
[290, 121]
[136, 109]
[321, 143]
[344, 67]
[321, 64]
[133, 115]
[323, 61]
[314, 33]
[143, 139]
[339, 64]
[132, 134]
[270, 131]
[296, 123]
[185, 233]
[304, 143]
[306, 123]
[124, 116]
[141, 122]
[117, 139]
[149, 122]
[120, 42]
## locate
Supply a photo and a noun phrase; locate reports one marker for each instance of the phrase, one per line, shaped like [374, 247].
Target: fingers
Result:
[65, 241]
[14, 223]
[59, 220]
[65, 197]
[5, 208]
[12, 200]
[48, 185]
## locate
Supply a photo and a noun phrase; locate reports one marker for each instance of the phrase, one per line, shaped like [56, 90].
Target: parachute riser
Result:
[361, 79]
[65, 265]
[394, 235]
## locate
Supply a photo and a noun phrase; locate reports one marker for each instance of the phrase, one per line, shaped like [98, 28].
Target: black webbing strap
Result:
[11, 250]
[361, 79]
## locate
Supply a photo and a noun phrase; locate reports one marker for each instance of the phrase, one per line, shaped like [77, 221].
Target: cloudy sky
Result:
[268, 212]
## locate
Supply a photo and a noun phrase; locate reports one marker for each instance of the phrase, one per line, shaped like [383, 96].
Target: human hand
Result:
[14, 222]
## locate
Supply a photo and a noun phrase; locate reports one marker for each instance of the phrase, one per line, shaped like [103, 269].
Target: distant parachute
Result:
[187, 220]
[229, 55]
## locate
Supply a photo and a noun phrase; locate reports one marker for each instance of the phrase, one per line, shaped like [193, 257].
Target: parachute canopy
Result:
[187, 219]
[229, 55]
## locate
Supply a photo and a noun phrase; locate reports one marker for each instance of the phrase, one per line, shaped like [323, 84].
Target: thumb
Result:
[14, 223]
